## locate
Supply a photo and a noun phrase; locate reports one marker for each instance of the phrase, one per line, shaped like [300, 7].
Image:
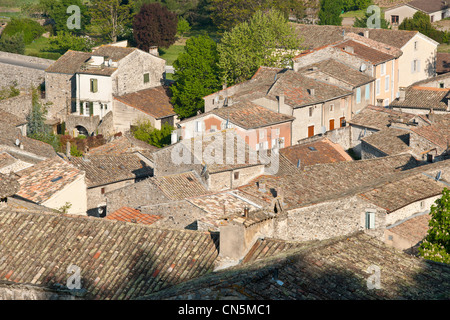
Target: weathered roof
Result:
[124, 143]
[132, 215]
[429, 6]
[315, 36]
[11, 119]
[106, 169]
[323, 182]
[378, 118]
[320, 151]
[297, 90]
[249, 115]
[365, 52]
[70, 62]
[181, 186]
[335, 269]
[442, 62]
[423, 98]
[390, 141]
[413, 229]
[41, 181]
[340, 71]
[117, 260]
[8, 186]
[438, 133]
[153, 101]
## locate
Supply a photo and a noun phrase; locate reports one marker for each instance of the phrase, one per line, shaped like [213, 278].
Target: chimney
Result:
[261, 186]
[366, 33]
[312, 92]
[246, 210]
[401, 95]
[280, 102]
[430, 115]
[153, 50]
[349, 49]
[68, 149]
[21, 146]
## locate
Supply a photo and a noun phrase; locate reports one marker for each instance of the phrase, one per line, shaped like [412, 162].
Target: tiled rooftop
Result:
[106, 169]
[429, 6]
[132, 215]
[117, 260]
[423, 98]
[41, 181]
[438, 133]
[123, 144]
[8, 186]
[321, 151]
[11, 119]
[379, 118]
[181, 186]
[365, 52]
[335, 269]
[414, 229]
[390, 141]
[248, 115]
[153, 101]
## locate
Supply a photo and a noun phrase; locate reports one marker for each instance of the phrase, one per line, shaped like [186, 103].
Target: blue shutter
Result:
[358, 95]
[367, 91]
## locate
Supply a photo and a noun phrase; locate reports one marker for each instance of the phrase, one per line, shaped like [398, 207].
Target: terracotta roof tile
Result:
[378, 118]
[423, 98]
[181, 186]
[8, 186]
[365, 52]
[390, 141]
[154, 101]
[132, 215]
[118, 260]
[40, 182]
[428, 6]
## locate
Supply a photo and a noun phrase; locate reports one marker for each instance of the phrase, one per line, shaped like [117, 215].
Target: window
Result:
[236, 175]
[331, 107]
[261, 134]
[441, 85]
[277, 131]
[367, 91]
[416, 45]
[342, 122]
[198, 126]
[213, 128]
[422, 204]
[310, 131]
[377, 84]
[82, 108]
[432, 18]
[102, 190]
[261, 146]
[94, 85]
[274, 143]
[281, 142]
[415, 66]
[370, 220]
[383, 69]
[91, 108]
[358, 95]
[311, 111]
[146, 77]
[386, 83]
[386, 102]
[394, 19]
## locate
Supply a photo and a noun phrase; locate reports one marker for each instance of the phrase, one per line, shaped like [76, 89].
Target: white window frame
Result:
[369, 220]
[383, 69]
[367, 92]
[358, 95]
[377, 87]
[387, 84]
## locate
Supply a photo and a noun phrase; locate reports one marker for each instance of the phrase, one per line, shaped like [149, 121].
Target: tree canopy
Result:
[330, 12]
[436, 245]
[421, 22]
[154, 25]
[266, 40]
[196, 75]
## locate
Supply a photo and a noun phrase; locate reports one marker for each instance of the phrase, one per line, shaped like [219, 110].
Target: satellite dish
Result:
[363, 68]
[17, 142]
[110, 62]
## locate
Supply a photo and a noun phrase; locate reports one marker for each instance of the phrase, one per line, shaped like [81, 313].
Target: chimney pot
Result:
[153, 50]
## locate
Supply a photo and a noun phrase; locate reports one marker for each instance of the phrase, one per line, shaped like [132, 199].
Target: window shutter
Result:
[81, 108]
[367, 91]
[370, 220]
[91, 108]
[358, 95]
[418, 66]
[412, 66]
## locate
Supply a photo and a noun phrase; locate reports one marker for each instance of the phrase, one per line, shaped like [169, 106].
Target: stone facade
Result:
[370, 152]
[19, 106]
[96, 196]
[60, 91]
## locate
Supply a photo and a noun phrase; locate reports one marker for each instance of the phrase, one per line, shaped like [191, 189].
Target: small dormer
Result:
[96, 60]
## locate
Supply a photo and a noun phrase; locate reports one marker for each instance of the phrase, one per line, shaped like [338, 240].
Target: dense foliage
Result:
[196, 75]
[267, 39]
[362, 22]
[13, 44]
[57, 11]
[30, 29]
[421, 22]
[436, 245]
[330, 12]
[154, 25]
[66, 41]
[144, 131]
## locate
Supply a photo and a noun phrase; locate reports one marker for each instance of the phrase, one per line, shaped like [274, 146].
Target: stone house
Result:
[440, 81]
[84, 84]
[105, 173]
[53, 183]
[260, 127]
[151, 104]
[419, 52]
[435, 9]
[368, 56]
[421, 100]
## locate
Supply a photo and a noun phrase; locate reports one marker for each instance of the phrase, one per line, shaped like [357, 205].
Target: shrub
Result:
[13, 44]
[31, 29]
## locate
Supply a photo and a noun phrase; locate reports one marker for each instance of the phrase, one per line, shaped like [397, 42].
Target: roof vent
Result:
[56, 179]
[312, 148]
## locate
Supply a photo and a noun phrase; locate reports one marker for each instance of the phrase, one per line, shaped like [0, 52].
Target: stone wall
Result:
[96, 196]
[409, 210]
[25, 77]
[60, 91]
[19, 105]
[370, 152]
[89, 123]
[106, 126]
[327, 220]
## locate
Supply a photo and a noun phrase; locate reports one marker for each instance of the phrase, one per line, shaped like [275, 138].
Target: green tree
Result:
[13, 44]
[56, 10]
[196, 75]
[421, 22]
[66, 41]
[266, 40]
[30, 29]
[330, 12]
[111, 17]
[144, 131]
[36, 127]
[362, 22]
[436, 245]
[182, 26]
